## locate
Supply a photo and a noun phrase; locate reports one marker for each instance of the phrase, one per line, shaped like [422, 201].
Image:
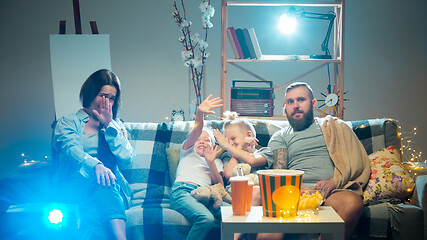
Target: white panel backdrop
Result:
[73, 59]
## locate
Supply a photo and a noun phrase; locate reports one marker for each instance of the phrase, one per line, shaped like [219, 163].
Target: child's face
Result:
[201, 144]
[235, 135]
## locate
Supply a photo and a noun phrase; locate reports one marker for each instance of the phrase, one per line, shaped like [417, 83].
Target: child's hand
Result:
[208, 104]
[210, 154]
[222, 141]
[249, 144]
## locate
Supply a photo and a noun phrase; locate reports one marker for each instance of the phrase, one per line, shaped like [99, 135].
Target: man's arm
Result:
[280, 157]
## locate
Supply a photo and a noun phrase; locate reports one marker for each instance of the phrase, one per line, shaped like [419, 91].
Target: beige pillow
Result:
[389, 178]
[173, 159]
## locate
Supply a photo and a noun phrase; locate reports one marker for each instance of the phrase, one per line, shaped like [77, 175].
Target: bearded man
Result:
[328, 152]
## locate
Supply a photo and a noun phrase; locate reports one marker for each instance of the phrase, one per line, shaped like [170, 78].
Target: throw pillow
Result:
[173, 159]
[389, 178]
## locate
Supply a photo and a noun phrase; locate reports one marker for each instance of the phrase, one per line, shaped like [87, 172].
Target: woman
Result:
[89, 146]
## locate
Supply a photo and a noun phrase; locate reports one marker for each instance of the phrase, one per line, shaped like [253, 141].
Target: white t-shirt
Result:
[193, 168]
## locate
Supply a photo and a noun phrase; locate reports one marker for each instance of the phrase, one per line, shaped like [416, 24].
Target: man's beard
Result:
[304, 122]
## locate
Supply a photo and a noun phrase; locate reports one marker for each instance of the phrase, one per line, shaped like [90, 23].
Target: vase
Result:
[195, 98]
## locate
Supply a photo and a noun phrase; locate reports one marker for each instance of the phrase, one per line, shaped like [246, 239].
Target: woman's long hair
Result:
[92, 86]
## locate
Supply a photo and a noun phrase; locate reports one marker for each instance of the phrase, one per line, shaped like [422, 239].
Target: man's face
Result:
[299, 108]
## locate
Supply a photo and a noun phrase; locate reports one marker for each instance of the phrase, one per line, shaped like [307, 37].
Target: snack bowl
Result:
[311, 199]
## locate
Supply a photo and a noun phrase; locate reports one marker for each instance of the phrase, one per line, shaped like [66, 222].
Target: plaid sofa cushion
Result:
[377, 134]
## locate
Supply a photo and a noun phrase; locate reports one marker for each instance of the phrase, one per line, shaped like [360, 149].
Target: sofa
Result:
[150, 215]
[150, 177]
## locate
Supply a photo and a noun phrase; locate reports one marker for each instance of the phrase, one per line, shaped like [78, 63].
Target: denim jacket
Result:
[67, 149]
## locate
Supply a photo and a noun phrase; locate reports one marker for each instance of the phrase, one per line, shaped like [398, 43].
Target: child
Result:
[197, 167]
[239, 140]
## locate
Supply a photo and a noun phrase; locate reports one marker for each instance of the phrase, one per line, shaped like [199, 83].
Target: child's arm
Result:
[238, 153]
[210, 156]
[228, 169]
[204, 108]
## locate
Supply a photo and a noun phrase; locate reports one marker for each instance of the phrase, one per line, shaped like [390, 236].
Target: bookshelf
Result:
[337, 61]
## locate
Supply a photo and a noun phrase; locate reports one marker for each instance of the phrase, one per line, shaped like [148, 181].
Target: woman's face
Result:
[107, 91]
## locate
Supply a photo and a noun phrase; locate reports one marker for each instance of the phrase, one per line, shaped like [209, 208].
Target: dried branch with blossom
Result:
[194, 53]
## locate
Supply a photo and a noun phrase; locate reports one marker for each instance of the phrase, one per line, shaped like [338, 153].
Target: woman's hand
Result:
[104, 175]
[104, 113]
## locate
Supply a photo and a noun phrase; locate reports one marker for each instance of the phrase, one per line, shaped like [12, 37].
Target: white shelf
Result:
[283, 3]
[285, 58]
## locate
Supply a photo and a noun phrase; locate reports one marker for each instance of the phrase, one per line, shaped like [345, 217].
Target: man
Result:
[328, 152]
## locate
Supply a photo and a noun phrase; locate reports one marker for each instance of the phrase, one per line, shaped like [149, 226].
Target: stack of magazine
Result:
[244, 43]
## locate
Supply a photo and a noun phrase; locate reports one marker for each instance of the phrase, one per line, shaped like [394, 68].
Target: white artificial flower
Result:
[205, 18]
[188, 63]
[197, 62]
[177, 19]
[210, 11]
[186, 55]
[203, 6]
[206, 23]
[181, 39]
[203, 45]
[185, 24]
[206, 54]
[195, 38]
[175, 13]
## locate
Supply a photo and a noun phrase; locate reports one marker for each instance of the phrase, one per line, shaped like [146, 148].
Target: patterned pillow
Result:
[389, 178]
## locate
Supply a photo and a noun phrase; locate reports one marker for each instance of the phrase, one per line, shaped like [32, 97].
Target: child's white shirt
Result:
[194, 168]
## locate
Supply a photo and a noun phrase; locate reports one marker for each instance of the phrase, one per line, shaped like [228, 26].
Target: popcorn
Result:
[310, 201]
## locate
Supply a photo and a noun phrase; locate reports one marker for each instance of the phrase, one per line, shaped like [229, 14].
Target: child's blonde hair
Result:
[209, 131]
[232, 118]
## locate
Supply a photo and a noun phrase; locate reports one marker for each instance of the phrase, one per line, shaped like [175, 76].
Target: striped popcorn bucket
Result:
[280, 192]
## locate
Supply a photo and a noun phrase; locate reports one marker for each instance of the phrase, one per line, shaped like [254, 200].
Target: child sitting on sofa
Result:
[239, 140]
[197, 167]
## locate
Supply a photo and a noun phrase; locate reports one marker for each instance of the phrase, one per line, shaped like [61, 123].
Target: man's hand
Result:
[104, 113]
[104, 175]
[208, 104]
[329, 184]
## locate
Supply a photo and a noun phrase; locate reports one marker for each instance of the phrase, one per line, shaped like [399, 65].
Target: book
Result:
[255, 43]
[233, 45]
[236, 42]
[249, 43]
[242, 42]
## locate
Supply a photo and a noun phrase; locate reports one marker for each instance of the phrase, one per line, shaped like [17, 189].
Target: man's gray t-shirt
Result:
[306, 151]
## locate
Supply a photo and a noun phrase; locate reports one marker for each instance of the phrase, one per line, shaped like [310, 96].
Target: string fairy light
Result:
[410, 153]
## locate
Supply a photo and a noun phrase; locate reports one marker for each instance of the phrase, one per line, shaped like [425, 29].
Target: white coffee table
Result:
[326, 222]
